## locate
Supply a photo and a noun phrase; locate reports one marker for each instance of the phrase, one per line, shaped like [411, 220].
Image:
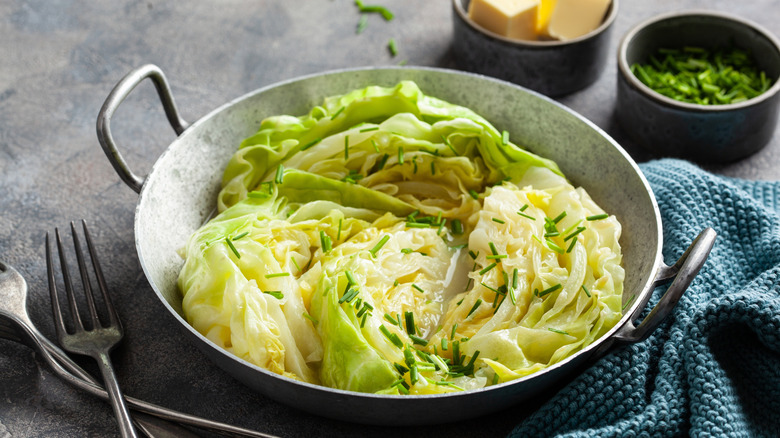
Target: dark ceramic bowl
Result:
[701, 133]
[553, 68]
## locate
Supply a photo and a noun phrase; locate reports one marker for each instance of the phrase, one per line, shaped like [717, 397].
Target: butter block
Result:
[573, 18]
[515, 19]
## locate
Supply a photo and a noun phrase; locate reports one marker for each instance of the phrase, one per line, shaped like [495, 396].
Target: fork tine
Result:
[86, 283]
[74, 312]
[55, 304]
[113, 317]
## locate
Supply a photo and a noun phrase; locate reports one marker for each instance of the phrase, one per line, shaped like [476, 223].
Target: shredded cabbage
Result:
[390, 242]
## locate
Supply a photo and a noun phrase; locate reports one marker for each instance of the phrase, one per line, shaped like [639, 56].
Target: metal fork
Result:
[98, 339]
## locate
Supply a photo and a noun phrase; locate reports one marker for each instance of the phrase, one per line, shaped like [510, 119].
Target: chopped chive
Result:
[526, 216]
[559, 217]
[407, 250]
[310, 318]
[493, 248]
[390, 319]
[514, 279]
[400, 155]
[346, 148]
[379, 245]
[449, 145]
[549, 290]
[325, 242]
[279, 174]
[417, 225]
[418, 340]
[232, 247]
[487, 268]
[295, 263]
[369, 129]
[475, 307]
[474, 194]
[456, 357]
[392, 46]
[574, 234]
[383, 11]
[349, 295]
[597, 217]
[274, 293]
[497, 257]
[361, 26]
[418, 288]
[395, 283]
[523, 207]
[392, 337]
[473, 254]
[504, 137]
[336, 114]
[493, 289]
[240, 236]
[311, 143]
[412, 215]
[587, 292]
[350, 278]
[433, 168]
[497, 220]
[414, 163]
[457, 227]
[555, 330]
[409, 319]
[414, 375]
[454, 328]
[571, 245]
[376, 146]
[278, 274]
[553, 246]
[631, 300]
[382, 162]
[363, 320]
[338, 234]
[444, 344]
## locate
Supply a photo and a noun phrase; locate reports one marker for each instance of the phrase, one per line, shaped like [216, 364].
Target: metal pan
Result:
[179, 194]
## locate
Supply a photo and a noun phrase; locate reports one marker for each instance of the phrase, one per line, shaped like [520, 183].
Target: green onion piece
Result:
[392, 337]
[417, 225]
[346, 148]
[523, 207]
[240, 236]
[433, 168]
[495, 219]
[278, 274]
[457, 227]
[310, 318]
[493, 248]
[525, 215]
[400, 155]
[587, 292]
[487, 268]
[474, 307]
[369, 129]
[292, 258]
[550, 290]
[379, 245]
[349, 295]
[279, 174]
[514, 279]
[454, 328]
[361, 26]
[382, 161]
[493, 289]
[473, 254]
[559, 217]
[232, 247]
[337, 113]
[504, 137]
[350, 278]
[325, 241]
[449, 145]
[383, 11]
[497, 257]
[310, 144]
[553, 246]
[418, 288]
[409, 319]
[631, 300]
[274, 293]
[555, 330]
[392, 46]
[390, 319]
[571, 245]
[597, 217]
[444, 344]
[418, 340]
[407, 250]
[574, 234]
[474, 194]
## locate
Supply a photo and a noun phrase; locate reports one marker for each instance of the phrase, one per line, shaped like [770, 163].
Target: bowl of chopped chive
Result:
[534, 44]
[699, 85]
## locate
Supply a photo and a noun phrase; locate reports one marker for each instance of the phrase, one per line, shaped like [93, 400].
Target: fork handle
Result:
[121, 411]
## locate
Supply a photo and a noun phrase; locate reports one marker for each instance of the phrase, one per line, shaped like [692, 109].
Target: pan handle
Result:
[683, 272]
[115, 98]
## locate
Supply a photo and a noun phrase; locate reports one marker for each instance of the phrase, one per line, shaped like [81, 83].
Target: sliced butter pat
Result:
[546, 8]
[574, 18]
[510, 18]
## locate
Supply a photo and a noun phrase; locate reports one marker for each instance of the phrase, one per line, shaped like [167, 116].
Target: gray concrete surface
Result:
[60, 58]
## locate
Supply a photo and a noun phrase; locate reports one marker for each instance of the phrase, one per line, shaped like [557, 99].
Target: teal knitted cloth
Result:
[713, 367]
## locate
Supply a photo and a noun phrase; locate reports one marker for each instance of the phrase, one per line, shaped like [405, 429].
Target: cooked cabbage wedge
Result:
[390, 242]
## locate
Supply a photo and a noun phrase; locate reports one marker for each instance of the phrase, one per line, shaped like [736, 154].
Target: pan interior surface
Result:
[180, 193]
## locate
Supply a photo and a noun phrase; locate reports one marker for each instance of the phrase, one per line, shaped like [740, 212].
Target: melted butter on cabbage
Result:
[390, 242]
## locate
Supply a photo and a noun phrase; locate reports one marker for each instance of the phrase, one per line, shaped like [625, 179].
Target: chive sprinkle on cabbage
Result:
[390, 242]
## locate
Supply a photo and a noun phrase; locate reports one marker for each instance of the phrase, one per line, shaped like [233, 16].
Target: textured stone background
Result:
[60, 58]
